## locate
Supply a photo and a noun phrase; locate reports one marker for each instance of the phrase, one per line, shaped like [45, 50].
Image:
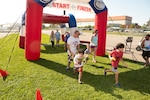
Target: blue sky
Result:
[139, 10]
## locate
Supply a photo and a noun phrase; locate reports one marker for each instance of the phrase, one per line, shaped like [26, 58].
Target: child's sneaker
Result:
[117, 85]
[67, 68]
[105, 73]
[87, 51]
[80, 82]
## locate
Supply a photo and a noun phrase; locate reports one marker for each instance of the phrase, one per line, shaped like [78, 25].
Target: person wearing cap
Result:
[73, 45]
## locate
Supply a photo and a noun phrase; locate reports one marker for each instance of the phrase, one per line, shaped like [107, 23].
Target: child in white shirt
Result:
[78, 64]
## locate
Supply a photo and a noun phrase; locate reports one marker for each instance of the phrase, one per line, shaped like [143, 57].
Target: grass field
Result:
[55, 83]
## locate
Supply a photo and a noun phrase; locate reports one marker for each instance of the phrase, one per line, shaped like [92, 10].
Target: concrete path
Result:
[3, 35]
[112, 40]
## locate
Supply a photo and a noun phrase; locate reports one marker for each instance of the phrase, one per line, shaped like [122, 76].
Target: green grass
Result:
[55, 83]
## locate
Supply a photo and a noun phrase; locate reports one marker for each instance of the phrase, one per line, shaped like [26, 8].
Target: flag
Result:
[38, 95]
[4, 74]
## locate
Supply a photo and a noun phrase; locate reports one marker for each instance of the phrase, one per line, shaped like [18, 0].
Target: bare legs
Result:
[93, 52]
[116, 75]
[57, 42]
[147, 60]
[79, 75]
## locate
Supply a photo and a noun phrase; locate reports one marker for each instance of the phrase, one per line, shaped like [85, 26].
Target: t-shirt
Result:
[73, 42]
[146, 45]
[117, 55]
[52, 38]
[57, 35]
[78, 61]
[94, 41]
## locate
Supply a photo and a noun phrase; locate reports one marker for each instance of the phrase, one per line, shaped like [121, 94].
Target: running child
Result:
[78, 64]
[116, 56]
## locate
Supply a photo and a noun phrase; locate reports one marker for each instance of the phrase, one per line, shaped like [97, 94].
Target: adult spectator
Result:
[52, 38]
[66, 36]
[57, 36]
[94, 44]
[146, 49]
[73, 45]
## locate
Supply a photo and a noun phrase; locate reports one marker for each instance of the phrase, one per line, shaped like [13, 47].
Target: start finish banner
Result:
[79, 5]
[68, 5]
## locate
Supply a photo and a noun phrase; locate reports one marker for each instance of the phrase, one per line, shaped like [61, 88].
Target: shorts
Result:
[146, 54]
[79, 69]
[93, 47]
[57, 38]
[70, 58]
[114, 69]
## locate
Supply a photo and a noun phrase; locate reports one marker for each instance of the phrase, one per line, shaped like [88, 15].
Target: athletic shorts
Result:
[114, 69]
[78, 69]
[93, 47]
[146, 54]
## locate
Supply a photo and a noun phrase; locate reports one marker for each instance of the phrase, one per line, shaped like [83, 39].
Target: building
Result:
[115, 20]
[122, 20]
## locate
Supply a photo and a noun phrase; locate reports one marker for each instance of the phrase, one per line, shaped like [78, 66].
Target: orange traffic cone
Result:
[38, 95]
[4, 74]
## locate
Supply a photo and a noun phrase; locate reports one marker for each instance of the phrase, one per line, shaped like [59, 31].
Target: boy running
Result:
[116, 56]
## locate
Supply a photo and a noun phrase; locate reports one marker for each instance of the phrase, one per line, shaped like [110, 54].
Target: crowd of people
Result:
[77, 55]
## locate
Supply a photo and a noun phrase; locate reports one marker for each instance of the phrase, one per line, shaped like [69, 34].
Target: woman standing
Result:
[52, 38]
[94, 44]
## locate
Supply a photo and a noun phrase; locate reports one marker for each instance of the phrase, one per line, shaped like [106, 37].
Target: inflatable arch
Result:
[33, 25]
[49, 18]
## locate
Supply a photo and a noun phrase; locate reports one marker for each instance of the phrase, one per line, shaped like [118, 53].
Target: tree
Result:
[43, 26]
[148, 24]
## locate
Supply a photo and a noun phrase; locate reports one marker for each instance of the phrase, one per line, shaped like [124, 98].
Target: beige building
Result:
[119, 20]
[123, 20]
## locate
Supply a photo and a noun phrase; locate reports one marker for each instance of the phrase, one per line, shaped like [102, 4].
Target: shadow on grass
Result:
[133, 61]
[129, 80]
[102, 67]
[56, 49]
[136, 80]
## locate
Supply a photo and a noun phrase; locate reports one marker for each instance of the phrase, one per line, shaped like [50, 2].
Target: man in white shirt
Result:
[146, 49]
[73, 45]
